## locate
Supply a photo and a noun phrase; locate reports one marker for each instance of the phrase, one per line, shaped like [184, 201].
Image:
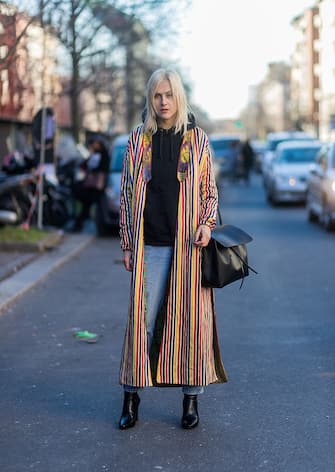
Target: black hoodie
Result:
[161, 205]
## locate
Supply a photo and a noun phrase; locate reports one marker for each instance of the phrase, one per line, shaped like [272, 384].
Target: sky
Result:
[225, 47]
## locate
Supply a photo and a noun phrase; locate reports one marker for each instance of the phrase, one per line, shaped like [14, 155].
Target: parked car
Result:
[289, 169]
[226, 150]
[321, 188]
[108, 209]
[273, 140]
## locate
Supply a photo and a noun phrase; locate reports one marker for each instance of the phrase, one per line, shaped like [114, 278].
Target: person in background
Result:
[168, 208]
[89, 190]
[247, 157]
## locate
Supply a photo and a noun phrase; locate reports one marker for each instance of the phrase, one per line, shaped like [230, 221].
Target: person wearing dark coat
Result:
[91, 188]
[247, 157]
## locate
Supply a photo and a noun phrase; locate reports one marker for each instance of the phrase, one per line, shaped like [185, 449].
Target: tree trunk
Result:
[75, 121]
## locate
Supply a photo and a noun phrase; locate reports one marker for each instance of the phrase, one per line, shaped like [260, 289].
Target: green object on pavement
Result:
[85, 336]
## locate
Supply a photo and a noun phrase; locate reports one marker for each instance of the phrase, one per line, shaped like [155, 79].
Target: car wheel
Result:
[272, 199]
[326, 219]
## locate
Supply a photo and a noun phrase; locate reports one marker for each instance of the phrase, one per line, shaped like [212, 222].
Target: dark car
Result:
[108, 209]
[321, 188]
[226, 150]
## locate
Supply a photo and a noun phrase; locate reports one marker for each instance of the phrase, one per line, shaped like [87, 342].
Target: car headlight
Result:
[286, 179]
[333, 186]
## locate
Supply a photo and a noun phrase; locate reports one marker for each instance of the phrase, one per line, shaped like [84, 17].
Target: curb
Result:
[17, 264]
[14, 287]
[48, 242]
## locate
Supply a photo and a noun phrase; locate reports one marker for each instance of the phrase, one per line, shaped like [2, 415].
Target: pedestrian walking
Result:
[89, 190]
[247, 157]
[168, 208]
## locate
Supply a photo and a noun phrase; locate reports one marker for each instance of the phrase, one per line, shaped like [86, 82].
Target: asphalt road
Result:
[60, 401]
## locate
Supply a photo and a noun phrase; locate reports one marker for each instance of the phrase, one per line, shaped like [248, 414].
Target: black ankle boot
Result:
[190, 417]
[130, 410]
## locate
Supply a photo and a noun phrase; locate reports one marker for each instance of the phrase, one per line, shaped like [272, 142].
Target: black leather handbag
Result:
[225, 259]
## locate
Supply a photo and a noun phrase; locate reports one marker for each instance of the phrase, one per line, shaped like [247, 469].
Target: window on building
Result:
[5, 86]
[2, 29]
[3, 51]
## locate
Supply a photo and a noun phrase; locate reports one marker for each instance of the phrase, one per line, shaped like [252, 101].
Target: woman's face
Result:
[165, 105]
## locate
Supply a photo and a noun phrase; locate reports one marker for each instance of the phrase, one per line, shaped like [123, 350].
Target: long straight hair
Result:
[178, 91]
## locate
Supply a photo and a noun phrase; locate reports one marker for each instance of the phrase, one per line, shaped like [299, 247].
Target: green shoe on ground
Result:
[85, 336]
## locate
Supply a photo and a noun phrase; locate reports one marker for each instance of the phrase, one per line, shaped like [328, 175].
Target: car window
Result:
[298, 155]
[224, 144]
[117, 158]
[273, 143]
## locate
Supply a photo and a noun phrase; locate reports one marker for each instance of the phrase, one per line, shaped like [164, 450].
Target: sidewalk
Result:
[21, 271]
[11, 262]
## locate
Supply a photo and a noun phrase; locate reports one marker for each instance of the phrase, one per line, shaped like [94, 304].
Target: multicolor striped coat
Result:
[187, 351]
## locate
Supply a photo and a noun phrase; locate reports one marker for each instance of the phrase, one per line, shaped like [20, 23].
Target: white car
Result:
[273, 140]
[289, 170]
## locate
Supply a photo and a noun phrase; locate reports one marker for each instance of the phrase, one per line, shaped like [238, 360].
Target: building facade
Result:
[327, 69]
[305, 75]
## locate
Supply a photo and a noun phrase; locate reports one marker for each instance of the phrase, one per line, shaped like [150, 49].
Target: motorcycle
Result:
[24, 203]
[16, 198]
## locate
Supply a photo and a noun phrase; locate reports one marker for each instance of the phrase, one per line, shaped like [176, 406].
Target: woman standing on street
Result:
[168, 208]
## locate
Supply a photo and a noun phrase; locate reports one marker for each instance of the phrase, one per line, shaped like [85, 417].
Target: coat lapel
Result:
[183, 161]
[147, 157]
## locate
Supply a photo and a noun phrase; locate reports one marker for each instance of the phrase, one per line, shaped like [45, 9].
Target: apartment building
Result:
[305, 71]
[26, 69]
[326, 47]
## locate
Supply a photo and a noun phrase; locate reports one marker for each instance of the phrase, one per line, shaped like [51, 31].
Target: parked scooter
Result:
[56, 201]
[55, 197]
[16, 198]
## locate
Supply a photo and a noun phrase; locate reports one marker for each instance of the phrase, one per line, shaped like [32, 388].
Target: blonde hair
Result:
[178, 91]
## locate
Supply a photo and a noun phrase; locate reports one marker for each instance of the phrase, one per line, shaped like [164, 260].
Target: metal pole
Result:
[43, 127]
[41, 171]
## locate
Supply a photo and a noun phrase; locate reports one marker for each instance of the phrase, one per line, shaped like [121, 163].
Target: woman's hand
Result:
[128, 260]
[202, 236]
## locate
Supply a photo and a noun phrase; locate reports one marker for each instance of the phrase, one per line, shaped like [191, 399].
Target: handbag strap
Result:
[243, 261]
[219, 215]
[244, 265]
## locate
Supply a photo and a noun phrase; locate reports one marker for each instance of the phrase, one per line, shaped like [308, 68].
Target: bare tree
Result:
[10, 12]
[90, 42]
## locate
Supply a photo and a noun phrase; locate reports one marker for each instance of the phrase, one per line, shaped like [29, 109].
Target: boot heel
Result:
[129, 414]
[190, 417]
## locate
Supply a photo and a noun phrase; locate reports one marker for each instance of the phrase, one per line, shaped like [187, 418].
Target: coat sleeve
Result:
[126, 193]
[208, 189]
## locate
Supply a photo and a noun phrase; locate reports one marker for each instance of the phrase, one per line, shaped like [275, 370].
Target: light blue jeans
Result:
[158, 263]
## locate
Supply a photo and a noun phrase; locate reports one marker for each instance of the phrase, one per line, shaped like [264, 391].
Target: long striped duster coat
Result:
[188, 351]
